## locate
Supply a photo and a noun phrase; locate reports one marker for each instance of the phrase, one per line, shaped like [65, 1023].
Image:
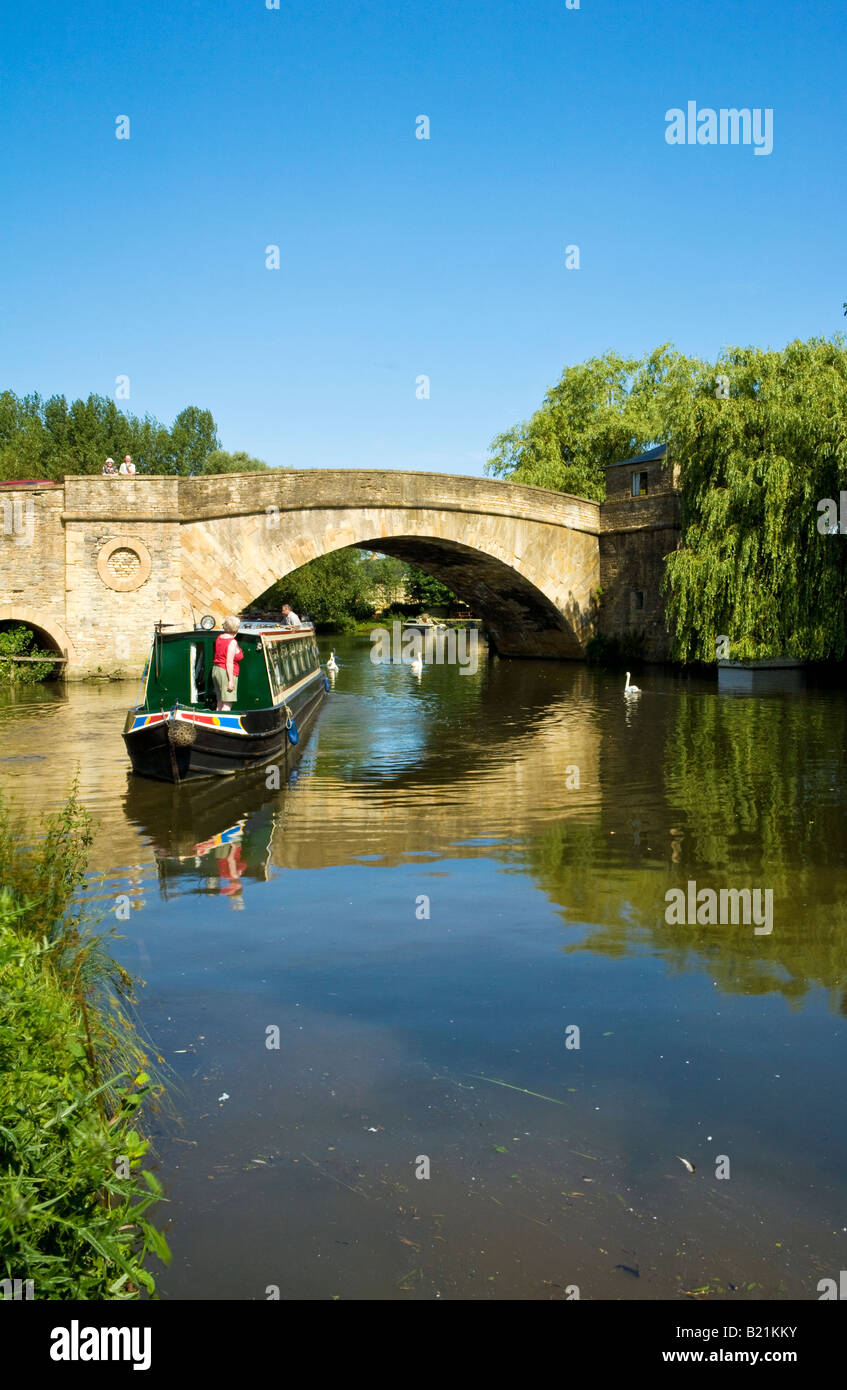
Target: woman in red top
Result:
[228, 654]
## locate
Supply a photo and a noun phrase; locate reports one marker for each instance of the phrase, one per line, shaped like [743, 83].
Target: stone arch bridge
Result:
[92, 563]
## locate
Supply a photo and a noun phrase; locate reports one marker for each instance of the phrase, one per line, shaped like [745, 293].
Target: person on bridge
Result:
[127, 467]
[109, 469]
[289, 617]
[228, 654]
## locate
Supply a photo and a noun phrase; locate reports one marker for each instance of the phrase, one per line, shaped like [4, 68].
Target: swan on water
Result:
[630, 689]
[417, 665]
[332, 664]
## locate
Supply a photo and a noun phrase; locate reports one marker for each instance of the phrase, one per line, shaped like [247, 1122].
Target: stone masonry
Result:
[93, 563]
[636, 533]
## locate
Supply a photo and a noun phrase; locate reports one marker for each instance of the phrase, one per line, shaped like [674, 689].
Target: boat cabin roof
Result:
[275, 629]
[246, 629]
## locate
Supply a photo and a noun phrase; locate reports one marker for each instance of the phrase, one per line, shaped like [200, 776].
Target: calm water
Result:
[539, 821]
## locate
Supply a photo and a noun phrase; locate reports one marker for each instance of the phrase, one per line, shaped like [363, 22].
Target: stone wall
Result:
[317, 488]
[32, 563]
[110, 556]
[532, 578]
[122, 540]
[107, 557]
[636, 534]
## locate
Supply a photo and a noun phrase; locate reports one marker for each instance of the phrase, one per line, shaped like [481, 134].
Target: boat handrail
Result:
[275, 627]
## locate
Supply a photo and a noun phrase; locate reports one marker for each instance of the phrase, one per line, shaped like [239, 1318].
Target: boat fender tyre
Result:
[293, 735]
[181, 732]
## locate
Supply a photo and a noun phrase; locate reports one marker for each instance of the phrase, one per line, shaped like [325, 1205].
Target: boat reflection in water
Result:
[210, 836]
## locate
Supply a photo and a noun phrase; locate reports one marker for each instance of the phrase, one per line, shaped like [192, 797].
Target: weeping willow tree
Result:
[760, 445]
[599, 412]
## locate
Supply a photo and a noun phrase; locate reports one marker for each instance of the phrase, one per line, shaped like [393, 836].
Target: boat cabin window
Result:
[289, 661]
[276, 666]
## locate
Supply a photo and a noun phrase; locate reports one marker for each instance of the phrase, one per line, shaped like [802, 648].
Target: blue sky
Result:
[400, 256]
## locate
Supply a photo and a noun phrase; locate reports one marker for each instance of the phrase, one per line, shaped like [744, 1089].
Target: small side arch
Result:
[43, 627]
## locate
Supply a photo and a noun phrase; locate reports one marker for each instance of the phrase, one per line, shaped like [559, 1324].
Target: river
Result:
[367, 1000]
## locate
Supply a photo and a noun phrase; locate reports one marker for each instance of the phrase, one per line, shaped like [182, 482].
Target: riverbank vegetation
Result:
[74, 1078]
[756, 564]
[16, 641]
[599, 412]
[760, 441]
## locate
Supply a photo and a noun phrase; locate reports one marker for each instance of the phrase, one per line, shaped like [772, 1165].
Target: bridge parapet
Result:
[122, 499]
[319, 488]
[205, 498]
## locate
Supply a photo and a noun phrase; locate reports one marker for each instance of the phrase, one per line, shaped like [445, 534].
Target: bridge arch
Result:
[513, 609]
[532, 581]
[51, 636]
[527, 612]
[524, 558]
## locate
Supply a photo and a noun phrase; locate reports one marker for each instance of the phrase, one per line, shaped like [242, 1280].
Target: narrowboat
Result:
[175, 734]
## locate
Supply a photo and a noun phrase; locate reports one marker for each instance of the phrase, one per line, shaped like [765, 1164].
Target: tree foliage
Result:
[19, 640]
[333, 589]
[389, 578]
[193, 437]
[426, 589]
[755, 462]
[47, 439]
[760, 438]
[599, 412]
[347, 585]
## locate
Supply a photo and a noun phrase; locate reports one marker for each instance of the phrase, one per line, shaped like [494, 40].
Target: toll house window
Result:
[639, 484]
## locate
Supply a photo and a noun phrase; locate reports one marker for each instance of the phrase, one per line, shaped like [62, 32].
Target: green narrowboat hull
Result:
[182, 745]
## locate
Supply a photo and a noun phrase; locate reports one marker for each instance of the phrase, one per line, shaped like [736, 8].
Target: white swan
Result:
[630, 689]
[417, 665]
[332, 664]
